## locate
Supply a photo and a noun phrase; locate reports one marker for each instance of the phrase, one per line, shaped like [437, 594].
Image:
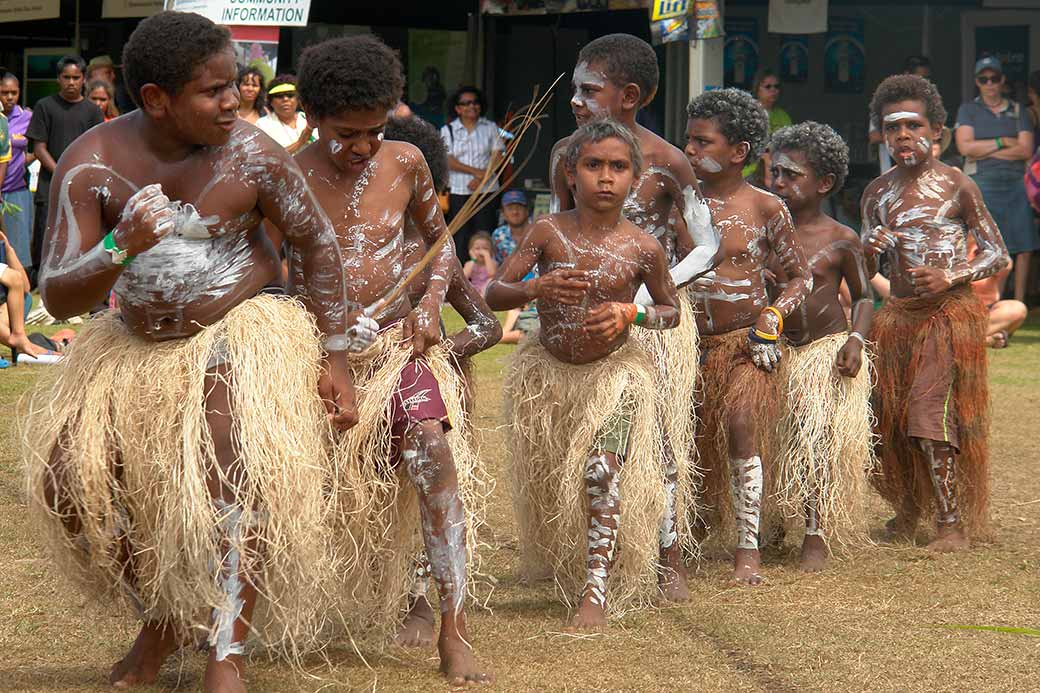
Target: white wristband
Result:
[857, 335]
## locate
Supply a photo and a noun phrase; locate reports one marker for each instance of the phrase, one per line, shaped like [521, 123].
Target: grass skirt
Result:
[129, 416]
[731, 382]
[554, 411]
[377, 530]
[825, 441]
[899, 331]
[676, 358]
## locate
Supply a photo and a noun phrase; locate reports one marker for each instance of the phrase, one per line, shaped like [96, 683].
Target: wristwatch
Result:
[119, 256]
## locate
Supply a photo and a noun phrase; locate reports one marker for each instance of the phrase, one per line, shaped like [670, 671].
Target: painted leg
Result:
[746, 483]
[602, 475]
[942, 467]
[428, 461]
[225, 671]
[417, 629]
[814, 548]
[671, 577]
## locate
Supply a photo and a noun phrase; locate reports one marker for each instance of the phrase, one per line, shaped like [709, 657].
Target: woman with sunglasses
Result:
[285, 123]
[766, 88]
[995, 136]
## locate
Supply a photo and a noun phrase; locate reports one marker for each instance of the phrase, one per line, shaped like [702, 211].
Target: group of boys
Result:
[201, 512]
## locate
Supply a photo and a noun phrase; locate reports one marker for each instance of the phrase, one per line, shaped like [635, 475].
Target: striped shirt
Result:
[472, 149]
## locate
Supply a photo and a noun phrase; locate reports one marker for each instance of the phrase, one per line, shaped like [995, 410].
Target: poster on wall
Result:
[521, 7]
[436, 67]
[844, 56]
[27, 10]
[1010, 45]
[257, 46]
[801, 16]
[794, 58]
[247, 12]
[707, 20]
[669, 21]
[740, 56]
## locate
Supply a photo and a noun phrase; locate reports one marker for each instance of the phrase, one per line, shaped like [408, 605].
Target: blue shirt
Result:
[988, 125]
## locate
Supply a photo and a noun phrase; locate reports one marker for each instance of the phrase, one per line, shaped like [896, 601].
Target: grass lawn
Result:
[872, 621]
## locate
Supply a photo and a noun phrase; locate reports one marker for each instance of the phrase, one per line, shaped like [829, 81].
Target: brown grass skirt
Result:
[130, 418]
[899, 331]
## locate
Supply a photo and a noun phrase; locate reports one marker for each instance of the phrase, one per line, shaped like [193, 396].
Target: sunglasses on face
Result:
[990, 80]
[771, 87]
[468, 103]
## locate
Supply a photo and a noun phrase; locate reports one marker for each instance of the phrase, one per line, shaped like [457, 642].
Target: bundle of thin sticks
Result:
[524, 120]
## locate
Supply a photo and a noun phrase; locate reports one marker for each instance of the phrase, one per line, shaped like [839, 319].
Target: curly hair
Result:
[260, 105]
[166, 48]
[357, 73]
[416, 131]
[625, 59]
[823, 148]
[737, 114]
[908, 88]
[597, 132]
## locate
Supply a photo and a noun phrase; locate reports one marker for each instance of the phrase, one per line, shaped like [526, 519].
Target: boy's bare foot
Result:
[901, 527]
[814, 554]
[671, 580]
[948, 539]
[417, 629]
[589, 617]
[224, 676]
[459, 665]
[746, 563]
[142, 663]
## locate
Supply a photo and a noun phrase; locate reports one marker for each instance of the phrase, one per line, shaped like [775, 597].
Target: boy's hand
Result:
[879, 240]
[146, 220]
[567, 286]
[422, 329]
[608, 320]
[929, 281]
[765, 356]
[362, 334]
[336, 388]
[850, 358]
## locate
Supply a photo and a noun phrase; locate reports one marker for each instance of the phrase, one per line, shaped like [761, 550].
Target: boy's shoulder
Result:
[836, 231]
[763, 200]
[657, 150]
[402, 153]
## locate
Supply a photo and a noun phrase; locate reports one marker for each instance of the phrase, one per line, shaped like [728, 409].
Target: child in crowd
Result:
[481, 266]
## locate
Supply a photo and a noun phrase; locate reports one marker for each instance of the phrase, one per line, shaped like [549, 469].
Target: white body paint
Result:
[746, 490]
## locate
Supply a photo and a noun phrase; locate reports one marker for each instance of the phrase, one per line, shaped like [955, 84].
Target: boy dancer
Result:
[931, 399]
[153, 464]
[616, 75]
[739, 330]
[825, 445]
[581, 398]
[412, 395]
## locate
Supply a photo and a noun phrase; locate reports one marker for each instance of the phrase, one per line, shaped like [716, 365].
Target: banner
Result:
[521, 7]
[27, 10]
[740, 56]
[247, 12]
[844, 56]
[118, 9]
[794, 58]
[797, 16]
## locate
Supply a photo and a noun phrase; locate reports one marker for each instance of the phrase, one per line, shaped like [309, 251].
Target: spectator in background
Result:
[56, 122]
[103, 94]
[286, 124]
[252, 105]
[507, 237]
[101, 67]
[1034, 104]
[473, 144]
[995, 136]
[15, 189]
[914, 65]
[481, 265]
[766, 88]
[5, 148]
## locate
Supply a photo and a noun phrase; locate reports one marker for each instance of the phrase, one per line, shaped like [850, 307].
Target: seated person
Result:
[1005, 317]
[14, 294]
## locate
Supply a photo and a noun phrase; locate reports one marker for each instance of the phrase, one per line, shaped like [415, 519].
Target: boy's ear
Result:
[631, 97]
[154, 100]
[741, 153]
[826, 184]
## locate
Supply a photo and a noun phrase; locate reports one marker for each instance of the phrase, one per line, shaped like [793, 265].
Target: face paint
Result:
[335, 147]
[584, 75]
[784, 161]
[709, 165]
[901, 115]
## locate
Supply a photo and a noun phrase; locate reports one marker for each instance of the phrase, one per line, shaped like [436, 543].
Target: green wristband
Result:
[119, 257]
[640, 314]
[1000, 145]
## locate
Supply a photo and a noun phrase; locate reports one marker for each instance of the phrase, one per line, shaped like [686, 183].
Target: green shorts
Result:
[613, 434]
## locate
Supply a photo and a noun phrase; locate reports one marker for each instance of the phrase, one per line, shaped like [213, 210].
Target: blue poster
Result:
[794, 58]
[740, 59]
[844, 56]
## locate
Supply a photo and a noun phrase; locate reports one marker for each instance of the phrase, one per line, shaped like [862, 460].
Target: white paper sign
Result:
[797, 16]
[113, 9]
[26, 10]
[248, 12]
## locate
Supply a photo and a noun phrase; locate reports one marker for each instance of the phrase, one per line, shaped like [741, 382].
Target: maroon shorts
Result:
[931, 414]
[417, 398]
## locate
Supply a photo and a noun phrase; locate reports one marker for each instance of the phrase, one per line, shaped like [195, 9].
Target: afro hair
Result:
[823, 148]
[738, 116]
[597, 132]
[356, 73]
[416, 131]
[908, 88]
[166, 48]
[624, 59]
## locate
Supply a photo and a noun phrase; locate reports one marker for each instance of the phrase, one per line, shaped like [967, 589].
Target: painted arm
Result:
[508, 290]
[874, 237]
[850, 357]
[992, 255]
[608, 320]
[482, 329]
[788, 249]
[46, 160]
